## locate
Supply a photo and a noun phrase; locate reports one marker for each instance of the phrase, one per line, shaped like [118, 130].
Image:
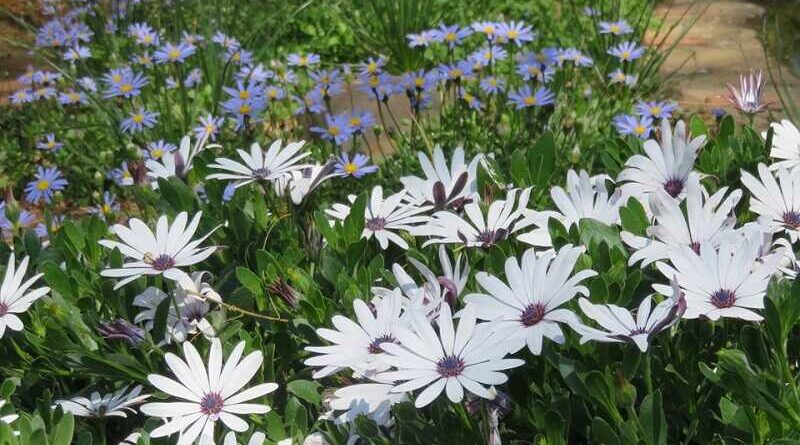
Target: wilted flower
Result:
[749, 98]
[117, 404]
[121, 329]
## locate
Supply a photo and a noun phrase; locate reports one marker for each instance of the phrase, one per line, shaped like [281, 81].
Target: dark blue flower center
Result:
[723, 298]
[791, 219]
[376, 223]
[533, 314]
[375, 346]
[162, 262]
[211, 404]
[696, 247]
[261, 173]
[450, 366]
[3, 309]
[674, 187]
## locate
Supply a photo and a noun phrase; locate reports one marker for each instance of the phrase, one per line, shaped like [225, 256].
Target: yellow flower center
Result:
[456, 73]
[334, 131]
[655, 110]
[374, 81]
[237, 56]
[43, 185]
[147, 38]
[116, 78]
[512, 34]
[350, 168]
[419, 82]
[529, 100]
[174, 54]
[639, 129]
[355, 121]
[138, 118]
[244, 94]
[126, 88]
[244, 109]
[210, 128]
[614, 28]
[372, 67]
[303, 61]
[106, 208]
[73, 97]
[488, 29]
[272, 92]
[626, 54]
[51, 145]
[450, 37]
[157, 153]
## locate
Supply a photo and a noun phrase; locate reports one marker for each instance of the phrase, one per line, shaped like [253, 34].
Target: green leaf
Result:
[62, 433]
[249, 280]
[594, 232]
[542, 160]
[354, 223]
[654, 422]
[602, 433]
[634, 218]
[307, 390]
[57, 279]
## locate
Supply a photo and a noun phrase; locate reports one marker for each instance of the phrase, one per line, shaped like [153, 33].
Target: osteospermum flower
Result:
[176, 162]
[776, 201]
[373, 400]
[159, 253]
[708, 220]
[116, 404]
[619, 325]
[356, 167]
[357, 344]
[384, 216]
[587, 197]
[525, 97]
[476, 230]
[627, 51]
[634, 126]
[785, 145]
[749, 98]
[527, 309]
[729, 282]
[665, 166]
[449, 360]
[139, 120]
[443, 186]
[207, 394]
[47, 182]
[277, 162]
[14, 295]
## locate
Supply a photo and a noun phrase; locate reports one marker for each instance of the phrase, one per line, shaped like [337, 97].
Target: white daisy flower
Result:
[185, 316]
[528, 308]
[258, 438]
[435, 290]
[382, 217]
[587, 197]
[785, 145]
[664, 166]
[374, 400]
[258, 165]
[449, 360]
[300, 183]
[443, 187]
[357, 345]
[709, 219]
[728, 282]
[177, 162]
[777, 201]
[207, 395]
[474, 229]
[14, 295]
[620, 325]
[315, 439]
[116, 404]
[164, 252]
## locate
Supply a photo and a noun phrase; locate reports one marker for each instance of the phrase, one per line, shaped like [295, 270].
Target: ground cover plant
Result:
[389, 222]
